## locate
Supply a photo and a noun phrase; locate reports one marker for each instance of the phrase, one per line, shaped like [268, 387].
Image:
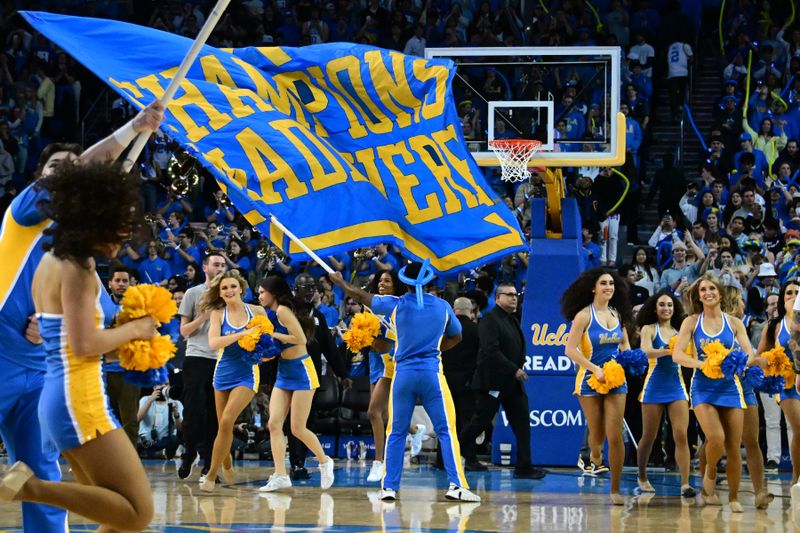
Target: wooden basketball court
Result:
[563, 501]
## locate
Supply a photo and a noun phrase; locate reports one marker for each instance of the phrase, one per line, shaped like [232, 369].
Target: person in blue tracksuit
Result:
[660, 319]
[424, 326]
[22, 354]
[718, 403]
[235, 379]
[74, 411]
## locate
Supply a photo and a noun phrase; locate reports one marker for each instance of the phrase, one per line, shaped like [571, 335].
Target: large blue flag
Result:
[347, 145]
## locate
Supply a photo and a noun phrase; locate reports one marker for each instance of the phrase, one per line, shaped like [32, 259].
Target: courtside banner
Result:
[347, 145]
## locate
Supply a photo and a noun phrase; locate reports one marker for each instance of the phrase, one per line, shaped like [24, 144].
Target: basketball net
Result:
[514, 156]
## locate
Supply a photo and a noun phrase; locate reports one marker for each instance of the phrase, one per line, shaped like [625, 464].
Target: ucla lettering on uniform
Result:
[613, 338]
[297, 132]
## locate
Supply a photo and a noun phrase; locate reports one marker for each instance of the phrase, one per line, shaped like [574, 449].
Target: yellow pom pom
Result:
[248, 342]
[143, 355]
[715, 353]
[147, 300]
[614, 376]
[162, 350]
[673, 340]
[265, 324]
[779, 364]
[265, 327]
[363, 329]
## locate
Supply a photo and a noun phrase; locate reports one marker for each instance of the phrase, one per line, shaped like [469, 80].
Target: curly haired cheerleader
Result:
[235, 379]
[718, 403]
[597, 304]
[112, 487]
[660, 319]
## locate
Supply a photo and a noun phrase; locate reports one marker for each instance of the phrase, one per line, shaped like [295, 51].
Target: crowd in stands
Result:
[738, 215]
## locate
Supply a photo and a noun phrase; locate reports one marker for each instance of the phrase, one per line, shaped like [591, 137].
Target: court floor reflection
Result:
[563, 501]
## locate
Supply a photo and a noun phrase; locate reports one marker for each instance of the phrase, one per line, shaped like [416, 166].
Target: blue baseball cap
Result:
[745, 137]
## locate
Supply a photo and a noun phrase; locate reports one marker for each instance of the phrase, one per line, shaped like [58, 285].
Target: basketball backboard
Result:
[566, 97]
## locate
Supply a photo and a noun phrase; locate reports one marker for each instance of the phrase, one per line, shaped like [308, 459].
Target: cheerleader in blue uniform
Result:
[733, 304]
[235, 380]
[778, 333]
[660, 319]
[295, 385]
[76, 419]
[597, 304]
[381, 372]
[719, 404]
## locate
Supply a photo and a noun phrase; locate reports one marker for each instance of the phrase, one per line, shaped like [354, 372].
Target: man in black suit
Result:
[499, 381]
[321, 344]
[458, 364]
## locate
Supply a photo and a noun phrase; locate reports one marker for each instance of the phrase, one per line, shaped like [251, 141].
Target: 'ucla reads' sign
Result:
[347, 145]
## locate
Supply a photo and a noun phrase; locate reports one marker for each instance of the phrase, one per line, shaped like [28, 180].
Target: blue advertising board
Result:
[556, 421]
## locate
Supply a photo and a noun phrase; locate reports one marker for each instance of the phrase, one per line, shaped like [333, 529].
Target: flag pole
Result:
[313, 255]
[278, 224]
[191, 55]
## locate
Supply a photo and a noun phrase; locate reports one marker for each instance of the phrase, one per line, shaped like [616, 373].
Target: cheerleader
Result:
[597, 305]
[76, 419]
[719, 404]
[778, 333]
[235, 380]
[381, 372]
[660, 319]
[733, 304]
[295, 385]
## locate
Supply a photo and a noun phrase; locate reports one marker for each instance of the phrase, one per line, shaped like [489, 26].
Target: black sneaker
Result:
[474, 466]
[688, 492]
[584, 464]
[596, 469]
[529, 473]
[187, 461]
[771, 465]
[299, 472]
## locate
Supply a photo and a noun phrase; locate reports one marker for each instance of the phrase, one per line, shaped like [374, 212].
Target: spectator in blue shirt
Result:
[176, 221]
[154, 269]
[181, 252]
[221, 211]
[592, 250]
[236, 257]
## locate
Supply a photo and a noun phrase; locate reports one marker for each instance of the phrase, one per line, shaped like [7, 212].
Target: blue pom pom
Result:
[734, 363]
[634, 362]
[754, 377]
[147, 379]
[251, 358]
[267, 349]
[772, 384]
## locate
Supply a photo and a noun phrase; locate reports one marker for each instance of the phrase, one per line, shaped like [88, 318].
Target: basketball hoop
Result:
[514, 156]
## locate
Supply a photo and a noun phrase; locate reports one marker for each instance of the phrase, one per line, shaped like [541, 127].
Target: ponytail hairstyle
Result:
[280, 290]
